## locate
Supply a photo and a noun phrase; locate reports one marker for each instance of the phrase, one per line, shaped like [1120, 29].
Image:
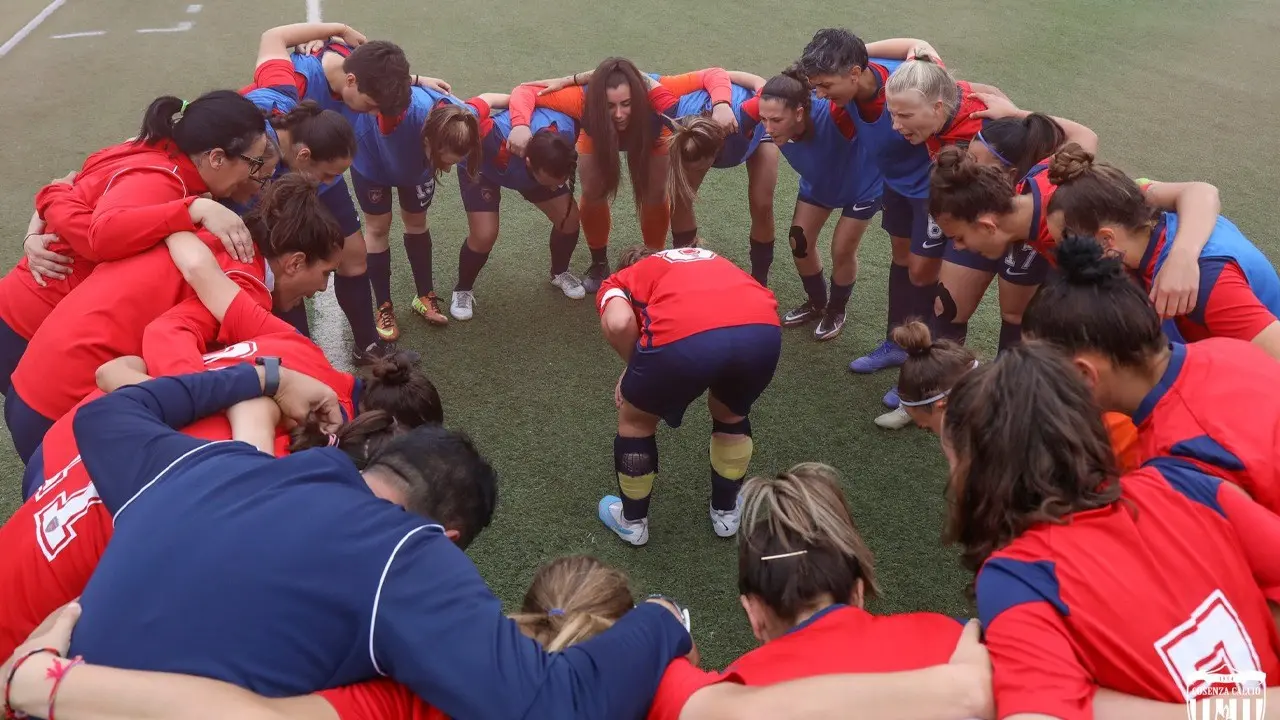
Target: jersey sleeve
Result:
[1035, 666]
[663, 100]
[65, 215]
[714, 80]
[432, 597]
[379, 700]
[277, 74]
[571, 101]
[679, 683]
[127, 438]
[617, 285]
[1227, 305]
[183, 334]
[141, 207]
[481, 108]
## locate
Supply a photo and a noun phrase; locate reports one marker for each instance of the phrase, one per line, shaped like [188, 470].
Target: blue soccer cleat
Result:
[887, 355]
[891, 399]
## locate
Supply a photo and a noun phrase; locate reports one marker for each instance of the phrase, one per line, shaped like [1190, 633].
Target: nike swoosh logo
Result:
[860, 208]
[928, 246]
[1015, 272]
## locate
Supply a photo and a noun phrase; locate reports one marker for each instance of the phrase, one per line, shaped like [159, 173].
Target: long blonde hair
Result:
[797, 542]
[694, 138]
[572, 599]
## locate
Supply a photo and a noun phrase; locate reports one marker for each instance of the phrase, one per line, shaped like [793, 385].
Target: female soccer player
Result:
[297, 242]
[686, 321]
[1086, 579]
[1239, 291]
[408, 153]
[934, 367]
[1199, 401]
[604, 111]
[930, 108]
[544, 177]
[817, 139]
[128, 197]
[818, 619]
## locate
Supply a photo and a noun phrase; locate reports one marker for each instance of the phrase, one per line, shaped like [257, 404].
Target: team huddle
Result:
[219, 523]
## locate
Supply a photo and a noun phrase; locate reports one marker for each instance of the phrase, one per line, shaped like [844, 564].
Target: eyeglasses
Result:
[255, 163]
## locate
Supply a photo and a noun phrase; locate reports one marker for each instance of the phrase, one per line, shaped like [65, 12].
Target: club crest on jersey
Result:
[238, 351]
[1228, 696]
[686, 254]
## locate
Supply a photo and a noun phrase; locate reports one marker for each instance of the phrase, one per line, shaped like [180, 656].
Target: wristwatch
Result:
[271, 365]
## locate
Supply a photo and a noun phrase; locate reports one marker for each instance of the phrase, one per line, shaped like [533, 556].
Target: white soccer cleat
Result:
[570, 285]
[725, 522]
[895, 419]
[463, 302]
[609, 511]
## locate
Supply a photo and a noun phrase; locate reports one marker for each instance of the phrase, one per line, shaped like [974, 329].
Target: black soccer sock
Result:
[839, 296]
[379, 265]
[1010, 335]
[900, 290]
[470, 263]
[684, 238]
[418, 247]
[761, 261]
[356, 300]
[600, 256]
[815, 286]
[562, 246]
[635, 461]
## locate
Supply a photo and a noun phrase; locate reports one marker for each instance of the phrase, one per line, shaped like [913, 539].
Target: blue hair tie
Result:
[1003, 161]
[555, 612]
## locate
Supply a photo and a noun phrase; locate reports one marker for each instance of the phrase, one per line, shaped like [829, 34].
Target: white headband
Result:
[931, 400]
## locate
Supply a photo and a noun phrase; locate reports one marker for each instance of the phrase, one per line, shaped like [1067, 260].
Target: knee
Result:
[413, 222]
[921, 274]
[799, 242]
[353, 260]
[483, 241]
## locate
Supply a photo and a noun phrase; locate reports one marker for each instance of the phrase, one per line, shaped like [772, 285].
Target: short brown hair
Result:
[963, 188]
[382, 72]
[572, 599]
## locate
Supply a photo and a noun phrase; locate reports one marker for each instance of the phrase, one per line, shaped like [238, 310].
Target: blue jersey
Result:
[312, 69]
[905, 167]
[398, 158]
[739, 146]
[834, 170]
[280, 99]
[290, 576]
[1226, 243]
[502, 168]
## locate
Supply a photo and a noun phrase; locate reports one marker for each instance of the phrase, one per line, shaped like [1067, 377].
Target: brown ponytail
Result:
[696, 138]
[360, 439]
[326, 133]
[932, 367]
[1093, 194]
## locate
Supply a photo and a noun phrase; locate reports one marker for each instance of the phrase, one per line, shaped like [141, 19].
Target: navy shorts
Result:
[375, 198]
[906, 217]
[12, 345]
[484, 195]
[864, 210]
[33, 475]
[26, 426]
[736, 364]
[337, 200]
[1024, 266]
[971, 259]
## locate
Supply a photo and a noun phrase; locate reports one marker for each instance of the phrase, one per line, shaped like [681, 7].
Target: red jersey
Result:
[105, 318]
[1036, 184]
[1134, 597]
[50, 563]
[125, 199]
[838, 639]
[685, 291]
[51, 544]
[1213, 406]
[960, 127]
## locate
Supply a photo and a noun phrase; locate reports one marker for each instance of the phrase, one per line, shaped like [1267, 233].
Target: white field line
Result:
[30, 27]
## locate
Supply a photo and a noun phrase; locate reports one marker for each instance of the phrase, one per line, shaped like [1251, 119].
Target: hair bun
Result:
[394, 370]
[1083, 261]
[914, 337]
[1069, 163]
